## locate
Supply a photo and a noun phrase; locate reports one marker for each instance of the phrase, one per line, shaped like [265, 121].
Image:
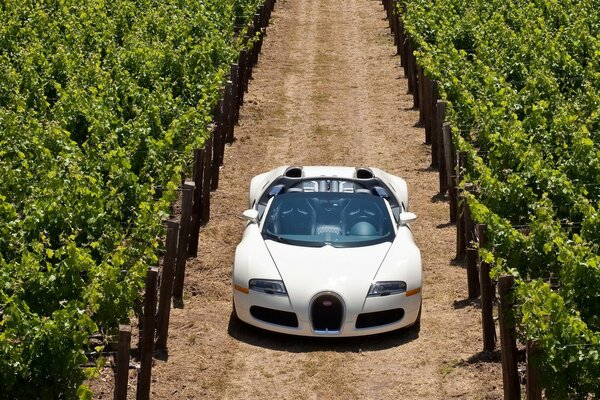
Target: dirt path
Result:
[327, 91]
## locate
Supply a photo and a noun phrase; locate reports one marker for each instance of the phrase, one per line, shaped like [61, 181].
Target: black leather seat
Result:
[362, 218]
[296, 217]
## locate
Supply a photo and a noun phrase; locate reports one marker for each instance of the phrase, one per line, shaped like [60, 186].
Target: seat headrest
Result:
[363, 228]
[363, 191]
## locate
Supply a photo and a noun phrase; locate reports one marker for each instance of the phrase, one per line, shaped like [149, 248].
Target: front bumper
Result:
[372, 309]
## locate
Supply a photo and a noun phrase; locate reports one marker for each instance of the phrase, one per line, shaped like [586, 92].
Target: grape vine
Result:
[101, 104]
[522, 79]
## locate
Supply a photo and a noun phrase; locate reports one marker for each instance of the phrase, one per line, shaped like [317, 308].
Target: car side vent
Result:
[293, 172]
[364, 173]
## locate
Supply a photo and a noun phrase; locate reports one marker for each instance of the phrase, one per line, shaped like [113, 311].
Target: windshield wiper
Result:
[293, 242]
[277, 238]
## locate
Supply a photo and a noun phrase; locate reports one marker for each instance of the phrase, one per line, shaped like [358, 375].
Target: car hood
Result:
[307, 271]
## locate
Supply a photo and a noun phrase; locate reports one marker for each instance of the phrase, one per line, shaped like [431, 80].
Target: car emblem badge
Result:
[327, 303]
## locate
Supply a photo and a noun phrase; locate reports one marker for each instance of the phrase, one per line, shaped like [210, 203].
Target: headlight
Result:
[386, 288]
[268, 286]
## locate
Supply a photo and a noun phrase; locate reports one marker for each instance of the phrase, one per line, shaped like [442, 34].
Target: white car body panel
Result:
[308, 271]
[346, 272]
[396, 183]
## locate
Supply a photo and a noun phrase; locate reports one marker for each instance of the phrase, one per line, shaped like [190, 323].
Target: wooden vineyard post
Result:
[393, 21]
[229, 118]
[197, 203]
[184, 232]
[256, 47]
[247, 63]
[440, 111]
[250, 63]
[396, 24]
[166, 286]
[427, 96]
[468, 220]
[147, 342]
[472, 273]
[449, 163]
[534, 391]
[222, 132]
[235, 78]
[261, 28]
[409, 73]
[508, 343]
[271, 6]
[264, 18]
[420, 90]
[268, 7]
[206, 182]
[429, 110]
[217, 138]
[404, 50]
[122, 375]
[249, 56]
[487, 317]
[409, 67]
[242, 75]
[413, 84]
[391, 17]
[400, 45]
[253, 52]
[267, 12]
[461, 245]
[435, 132]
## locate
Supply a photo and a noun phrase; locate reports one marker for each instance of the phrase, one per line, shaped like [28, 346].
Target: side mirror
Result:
[407, 217]
[251, 215]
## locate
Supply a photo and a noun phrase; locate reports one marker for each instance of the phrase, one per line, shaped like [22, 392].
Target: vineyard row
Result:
[519, 85]
[101, 108]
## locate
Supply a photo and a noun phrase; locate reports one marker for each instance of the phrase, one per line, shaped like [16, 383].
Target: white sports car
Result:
[328, 251]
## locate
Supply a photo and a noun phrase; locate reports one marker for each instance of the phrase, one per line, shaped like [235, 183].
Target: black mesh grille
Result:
[369, 320]
[274, 316]
[327, 313]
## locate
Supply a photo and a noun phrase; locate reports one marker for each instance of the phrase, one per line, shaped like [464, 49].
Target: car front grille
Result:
[327, 314]
[370, 320]
[272, 316]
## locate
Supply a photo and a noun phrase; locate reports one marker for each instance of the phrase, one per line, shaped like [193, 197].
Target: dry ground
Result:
[328, 90]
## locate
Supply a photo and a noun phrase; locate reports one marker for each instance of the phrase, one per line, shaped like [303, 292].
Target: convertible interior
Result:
[328, 217]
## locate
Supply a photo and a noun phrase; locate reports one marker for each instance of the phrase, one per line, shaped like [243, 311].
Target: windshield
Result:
[336, 219]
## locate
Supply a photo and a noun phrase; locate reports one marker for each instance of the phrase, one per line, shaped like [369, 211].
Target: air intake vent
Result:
[364, 173]
[293, 172]
[370, 320]
[327, 314]
[274, 316]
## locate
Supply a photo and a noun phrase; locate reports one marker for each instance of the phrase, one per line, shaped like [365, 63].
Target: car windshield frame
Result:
[337, 219]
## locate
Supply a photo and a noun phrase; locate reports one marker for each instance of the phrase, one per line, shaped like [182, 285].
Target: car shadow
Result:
[460, 304]
[299, 344]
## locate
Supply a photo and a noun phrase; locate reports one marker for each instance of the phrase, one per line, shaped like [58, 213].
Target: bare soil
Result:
[328, 90]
